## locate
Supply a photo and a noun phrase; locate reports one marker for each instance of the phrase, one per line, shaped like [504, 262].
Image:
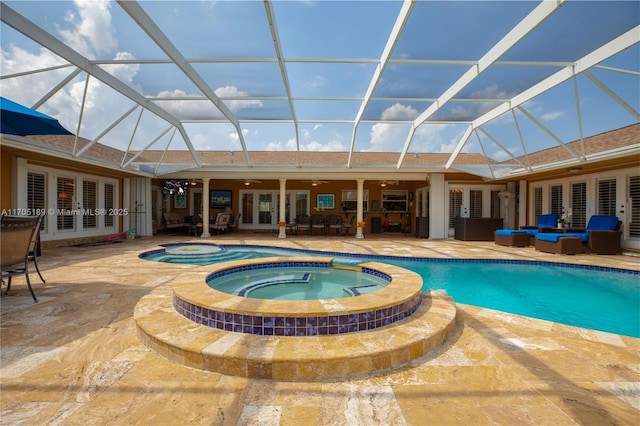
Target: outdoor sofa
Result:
[526, 234]
[602, 236]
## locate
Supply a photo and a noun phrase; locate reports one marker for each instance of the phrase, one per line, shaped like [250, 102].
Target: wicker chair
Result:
[17, 235]
[317, 222]
[334, 221]
[303, 222]
[346, 226]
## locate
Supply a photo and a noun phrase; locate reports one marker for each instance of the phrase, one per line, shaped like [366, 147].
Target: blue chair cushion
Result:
[553, 237]
[548, 220]
[509, 232]
[602, 223]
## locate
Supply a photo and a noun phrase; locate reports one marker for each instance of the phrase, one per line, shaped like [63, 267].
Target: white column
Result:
[438, 220]
[359, 212]
[205, 208]
[283, 213]
[522, 206]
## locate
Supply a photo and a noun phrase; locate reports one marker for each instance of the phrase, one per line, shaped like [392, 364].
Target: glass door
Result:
[261, 209]
[266, 210]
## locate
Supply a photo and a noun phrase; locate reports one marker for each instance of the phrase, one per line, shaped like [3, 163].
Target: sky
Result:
[330, 50]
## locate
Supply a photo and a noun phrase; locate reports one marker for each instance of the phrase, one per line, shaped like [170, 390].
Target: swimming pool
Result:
[597, 298]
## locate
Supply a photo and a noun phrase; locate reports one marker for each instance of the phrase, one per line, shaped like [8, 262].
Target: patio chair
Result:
[221, 223]
[526, 234]
[317, 222]
[303, 222]
[346, 226]
[602, 228]
[334, 221]
[17, 234]
[233, 223]
[34, 249]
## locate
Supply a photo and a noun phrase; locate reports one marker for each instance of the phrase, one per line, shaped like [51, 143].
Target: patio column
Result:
[282, 220]
[359, 212]
[205, 208]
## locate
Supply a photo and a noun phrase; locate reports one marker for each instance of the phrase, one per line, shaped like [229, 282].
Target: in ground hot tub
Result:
[398, 299]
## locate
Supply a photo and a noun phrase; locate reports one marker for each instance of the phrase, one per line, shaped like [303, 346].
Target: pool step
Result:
[292, 358]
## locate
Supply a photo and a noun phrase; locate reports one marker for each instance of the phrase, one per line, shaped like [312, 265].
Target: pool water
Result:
[602, 299]
[290, 283]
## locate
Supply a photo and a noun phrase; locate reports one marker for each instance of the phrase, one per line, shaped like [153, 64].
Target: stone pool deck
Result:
[75, 358]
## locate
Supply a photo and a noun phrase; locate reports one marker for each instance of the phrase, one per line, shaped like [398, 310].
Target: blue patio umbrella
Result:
[20, 120]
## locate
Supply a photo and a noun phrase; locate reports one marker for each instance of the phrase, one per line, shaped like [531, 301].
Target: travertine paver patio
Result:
[74, 358]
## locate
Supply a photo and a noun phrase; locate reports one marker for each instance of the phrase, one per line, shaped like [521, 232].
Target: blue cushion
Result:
[602, 223]
[553, 237]
[509, 232]
[548, 220]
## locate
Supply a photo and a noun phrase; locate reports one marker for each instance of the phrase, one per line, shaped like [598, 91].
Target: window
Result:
[634, 206]
[394, 201]
[537, 203]
[350, 201]
[475, 203]
[455, 202]
[36, 199]
[89, 204]
[302, 203]
[66, 192]
[579, 205]
[109, 204]
[607, 197]
[495, 204]
[556, 200]
[247, 208]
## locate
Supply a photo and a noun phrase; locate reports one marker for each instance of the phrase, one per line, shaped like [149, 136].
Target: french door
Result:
[261, 209]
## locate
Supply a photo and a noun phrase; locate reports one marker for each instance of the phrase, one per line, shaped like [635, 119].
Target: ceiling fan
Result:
[316, 182]
[384, 183]
[247, 182]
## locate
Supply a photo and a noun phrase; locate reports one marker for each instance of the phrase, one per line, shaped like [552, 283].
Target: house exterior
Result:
[83, 200]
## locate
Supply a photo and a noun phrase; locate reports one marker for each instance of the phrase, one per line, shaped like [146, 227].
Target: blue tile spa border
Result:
[314, 325]
[296, 326]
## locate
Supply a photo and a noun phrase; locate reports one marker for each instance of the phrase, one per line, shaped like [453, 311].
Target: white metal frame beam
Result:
[398, 27]
[144, 21]
[37, 34]
[283, 71]
[590, 60]
[513, 37]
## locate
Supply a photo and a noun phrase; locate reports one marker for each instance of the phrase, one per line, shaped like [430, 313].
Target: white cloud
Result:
[550, 116]
[387, 137]
[234, 105]
[490, 92]
[331, 145]
[91, 31]
[432, 138]
[28, 90]
[399, 112]
[316, 81]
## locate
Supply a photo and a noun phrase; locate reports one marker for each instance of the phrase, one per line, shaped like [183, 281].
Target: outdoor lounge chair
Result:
[17, 234]
[602, 236]
[526, 234]
[221, 223]
[234, 222]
